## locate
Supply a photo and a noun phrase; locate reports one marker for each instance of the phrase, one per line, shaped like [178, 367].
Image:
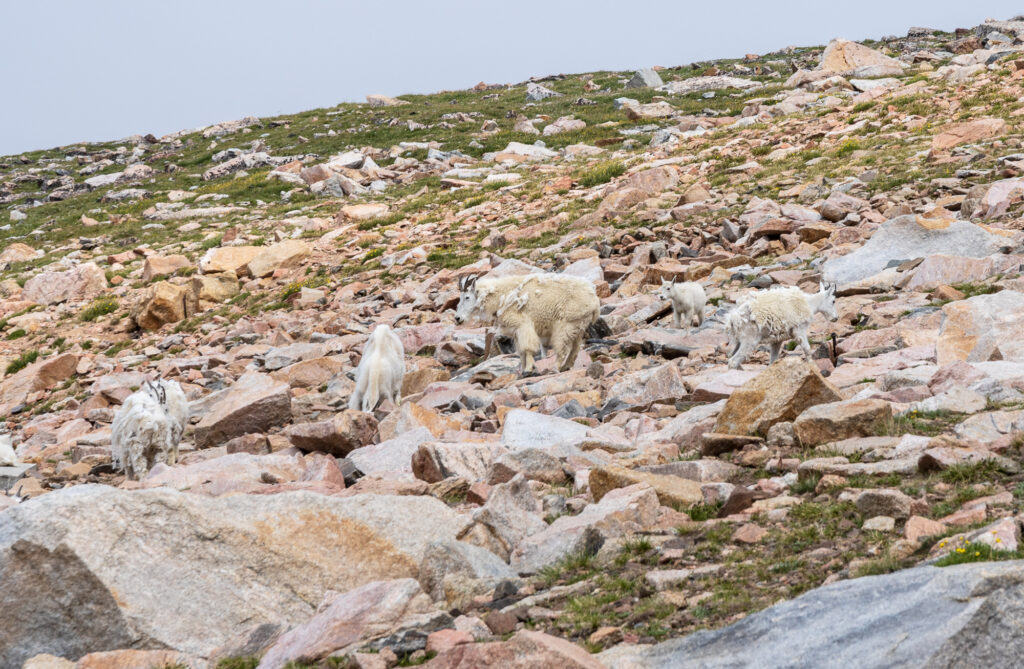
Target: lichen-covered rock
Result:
[780, 393]
[255, 403]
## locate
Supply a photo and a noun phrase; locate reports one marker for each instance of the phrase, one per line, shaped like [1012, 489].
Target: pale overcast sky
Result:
[75, 70]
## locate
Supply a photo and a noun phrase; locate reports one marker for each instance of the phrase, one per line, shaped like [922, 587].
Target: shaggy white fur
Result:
[552, 310]
[688, 300]
[143, 433]
[776, 316]
[8, 458]
[381, 370]
[172, 398]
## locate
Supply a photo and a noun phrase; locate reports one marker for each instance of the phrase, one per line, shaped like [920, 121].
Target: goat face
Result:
[828, 305]
[665, 292]
[469, 301]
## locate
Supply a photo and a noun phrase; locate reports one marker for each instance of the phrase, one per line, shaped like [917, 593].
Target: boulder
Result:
[511, 513]
[704, 470]
[433, 462]
[255, 403]
[18, 252]
[563, 124]
[286, 254]
[410, 416]
[620, 512]
[780, 393]
[942, 270]
[663, 383]
[311, 373]
[673, 491]
[529, 429]
[41, 375]
[968, 132]
[454, 572]
[856, 60]
[164, 303]
[231, 473]
[375, 100]
[835, 421]
[982, 328]
[368, 612]
[162, 266]
[533, 463]
[646, 78]
[709, 83]
[883, 502]
[228, 259]
[147, 568]
[138, 659]
[82, 282]
[207, 290]
[956, 616]
[536, 92]
[390, 457]
[525, 650]
[907, 237]
[338, 435]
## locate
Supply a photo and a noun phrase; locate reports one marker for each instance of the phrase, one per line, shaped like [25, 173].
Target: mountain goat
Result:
[553, 310]
[776, 316]
[148, 428]
[688, 300]
[8, 458]
[380, 371]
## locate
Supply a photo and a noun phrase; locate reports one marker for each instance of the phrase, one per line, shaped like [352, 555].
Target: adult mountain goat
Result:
[776, 316]
[148, 428]
[688, 300]
[380, 371]
[553, 310]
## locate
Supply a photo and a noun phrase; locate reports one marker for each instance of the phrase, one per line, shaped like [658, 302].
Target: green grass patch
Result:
[602, 173]
[976, 552]
[702, 512]
[22, 361]
[99, 307]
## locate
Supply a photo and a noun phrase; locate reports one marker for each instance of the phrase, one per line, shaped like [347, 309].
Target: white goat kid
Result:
[688, 300]
[552, 310]
[8, 458]
[776, 316]
[148, 427]
[380, 371]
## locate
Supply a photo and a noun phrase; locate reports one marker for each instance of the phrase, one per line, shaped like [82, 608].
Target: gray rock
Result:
[454, 571]
[696, 84]
[646, 78]
[511, 513]
[94, 568]
[12, 474]
[254, 404]
[696, 470]
[536, 92]
[528, 429]
[883, 502]
[393, 455]
[967, 615]
[619, 103]
[902, 239]
[620, 512]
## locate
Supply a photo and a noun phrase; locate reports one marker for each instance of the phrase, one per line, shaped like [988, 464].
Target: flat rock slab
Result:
[967, 615]
[910, 236]
[160, 568]
[11, 475]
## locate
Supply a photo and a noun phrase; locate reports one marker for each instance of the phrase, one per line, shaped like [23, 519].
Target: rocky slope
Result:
[593, 518]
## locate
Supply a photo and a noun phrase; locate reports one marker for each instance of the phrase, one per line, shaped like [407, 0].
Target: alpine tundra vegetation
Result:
[334, 471]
